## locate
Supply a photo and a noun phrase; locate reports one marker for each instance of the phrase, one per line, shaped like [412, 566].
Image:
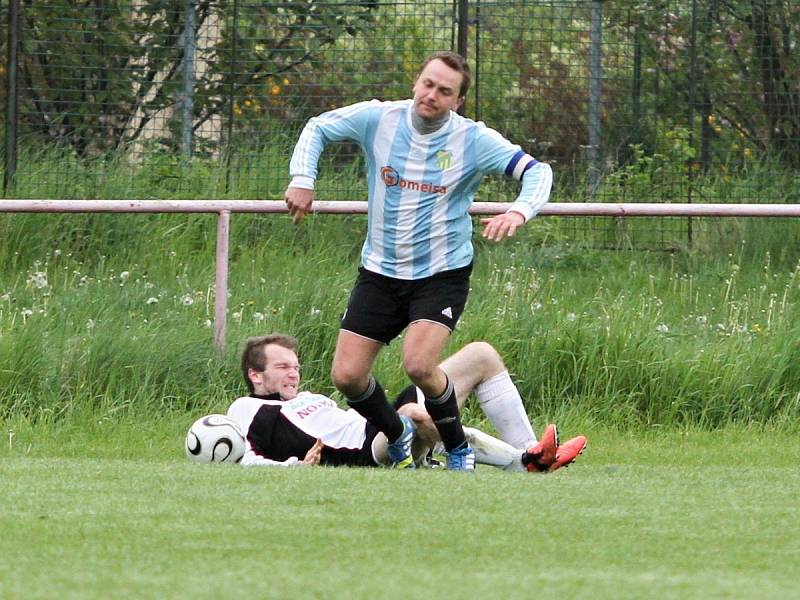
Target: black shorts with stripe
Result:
[381, 307]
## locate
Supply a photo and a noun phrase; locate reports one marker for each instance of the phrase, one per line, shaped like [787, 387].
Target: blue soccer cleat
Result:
[461, 458]
[400, 449]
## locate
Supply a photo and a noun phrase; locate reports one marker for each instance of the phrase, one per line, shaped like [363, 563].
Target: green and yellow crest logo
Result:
[444, 158]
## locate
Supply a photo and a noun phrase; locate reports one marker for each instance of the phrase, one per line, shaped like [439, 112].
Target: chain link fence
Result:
[631, 101]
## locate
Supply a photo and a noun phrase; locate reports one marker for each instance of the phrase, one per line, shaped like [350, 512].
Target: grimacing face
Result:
[436, 90]
[281, 375]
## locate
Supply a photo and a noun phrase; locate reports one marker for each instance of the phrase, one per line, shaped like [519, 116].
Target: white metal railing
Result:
[224, 208]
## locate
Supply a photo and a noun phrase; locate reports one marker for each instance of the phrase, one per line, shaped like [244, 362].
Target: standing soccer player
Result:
[424, 164]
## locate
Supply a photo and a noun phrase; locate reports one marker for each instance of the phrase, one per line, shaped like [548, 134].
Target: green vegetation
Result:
[664, 515]
[109, 312]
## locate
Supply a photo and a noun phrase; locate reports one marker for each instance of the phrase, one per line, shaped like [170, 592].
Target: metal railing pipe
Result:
[224, 209]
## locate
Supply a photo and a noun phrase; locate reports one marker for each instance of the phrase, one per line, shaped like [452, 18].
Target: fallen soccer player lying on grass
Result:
[281, 426]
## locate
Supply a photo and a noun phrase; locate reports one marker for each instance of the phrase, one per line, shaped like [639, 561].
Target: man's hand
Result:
[299, 202]
[501, 226]
[314, 454]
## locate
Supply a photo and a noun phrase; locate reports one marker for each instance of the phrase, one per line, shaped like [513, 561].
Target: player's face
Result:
[436, 90]
[281, 375]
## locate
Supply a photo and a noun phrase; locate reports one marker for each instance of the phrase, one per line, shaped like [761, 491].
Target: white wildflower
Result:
[571, 317]
[90, 324]
[187, 300]
[6, 297]
[26, 312]
[152, 300]
[38, 279]
[662, 328]
[258, 317]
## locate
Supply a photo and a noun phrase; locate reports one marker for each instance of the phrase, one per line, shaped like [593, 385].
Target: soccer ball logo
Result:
[215, 438]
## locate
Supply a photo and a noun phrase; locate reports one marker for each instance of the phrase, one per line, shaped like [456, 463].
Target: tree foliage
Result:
[96, 73]
[734, 63]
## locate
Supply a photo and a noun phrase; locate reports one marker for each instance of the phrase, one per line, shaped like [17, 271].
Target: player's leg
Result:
[478, 367]
[491, 451]
[373, 318]
[353, 358]
[351, 374]
[434, 308]
[422, 345]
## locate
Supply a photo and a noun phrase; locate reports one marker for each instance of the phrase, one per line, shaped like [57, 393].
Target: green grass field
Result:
[648, 515]
[682, 368]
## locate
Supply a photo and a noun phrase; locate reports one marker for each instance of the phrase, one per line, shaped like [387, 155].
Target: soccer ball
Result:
[215, 438]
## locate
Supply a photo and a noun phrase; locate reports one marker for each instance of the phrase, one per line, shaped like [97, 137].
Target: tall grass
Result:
[634, 338]
[113, 313]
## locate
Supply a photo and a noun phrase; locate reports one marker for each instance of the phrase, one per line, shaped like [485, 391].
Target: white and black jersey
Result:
[281, 432]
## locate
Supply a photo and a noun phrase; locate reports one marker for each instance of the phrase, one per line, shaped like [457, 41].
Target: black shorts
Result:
[381, 307]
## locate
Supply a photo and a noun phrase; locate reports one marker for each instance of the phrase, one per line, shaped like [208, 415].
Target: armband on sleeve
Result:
[537, 180]
[519, 164]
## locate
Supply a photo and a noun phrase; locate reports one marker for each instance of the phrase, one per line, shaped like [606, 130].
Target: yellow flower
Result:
[248, 102]
[711, 119]
[748, 153]
[285, 81]
[275, 90]
[717, 129]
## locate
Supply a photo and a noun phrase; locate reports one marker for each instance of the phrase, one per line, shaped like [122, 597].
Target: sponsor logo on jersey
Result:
[392, 178]
[307, 404]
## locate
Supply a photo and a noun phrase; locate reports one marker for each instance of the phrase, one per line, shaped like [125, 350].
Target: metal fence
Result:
[631, 101]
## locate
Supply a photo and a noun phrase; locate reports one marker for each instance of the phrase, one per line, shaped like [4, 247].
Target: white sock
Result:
[500, 401]
[491, 451]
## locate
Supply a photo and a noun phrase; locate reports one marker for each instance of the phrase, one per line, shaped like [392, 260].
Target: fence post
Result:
[187, 104]
[690, 116]
[231, 95]
[463, 31]
[221, 281]
[10, 158]
[595, 91]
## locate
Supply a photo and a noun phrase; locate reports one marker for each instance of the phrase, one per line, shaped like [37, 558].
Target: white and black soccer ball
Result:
[215, 439]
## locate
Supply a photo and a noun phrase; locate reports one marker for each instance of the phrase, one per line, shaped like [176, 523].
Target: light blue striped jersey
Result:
[420, 186]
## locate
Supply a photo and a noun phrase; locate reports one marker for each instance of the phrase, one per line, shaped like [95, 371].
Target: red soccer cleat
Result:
[540, 458]
[568, 452]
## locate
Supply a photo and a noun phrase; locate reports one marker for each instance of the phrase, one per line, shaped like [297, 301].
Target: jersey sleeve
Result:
[498, 155]
[349, 123]
[251, 459]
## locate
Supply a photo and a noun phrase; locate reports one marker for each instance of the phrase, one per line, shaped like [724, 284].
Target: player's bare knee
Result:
[486, 355]
[419, 370]
[348, 381]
